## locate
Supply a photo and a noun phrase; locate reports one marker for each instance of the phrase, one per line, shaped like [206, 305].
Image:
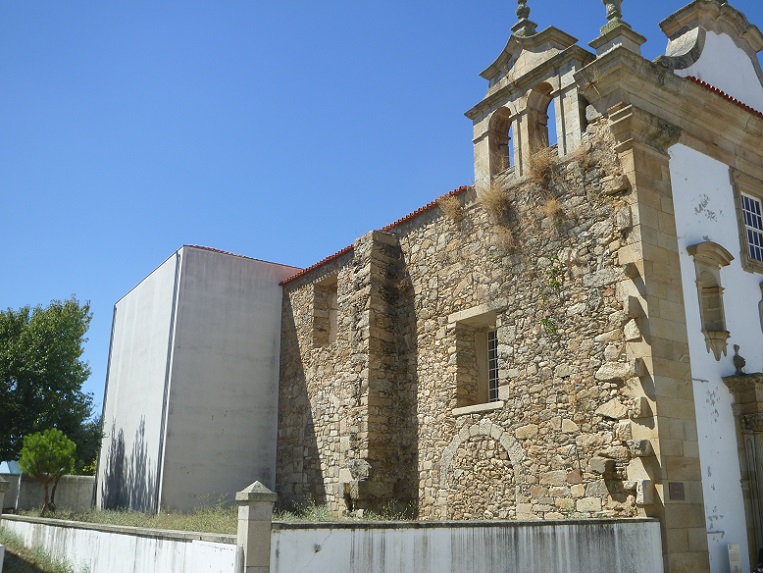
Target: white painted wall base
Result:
[593, 546]
[110, 549]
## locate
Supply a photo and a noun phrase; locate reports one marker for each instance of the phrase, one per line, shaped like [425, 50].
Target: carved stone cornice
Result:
[620, 78]
[748, 393]
[630, 124]
[753, 423]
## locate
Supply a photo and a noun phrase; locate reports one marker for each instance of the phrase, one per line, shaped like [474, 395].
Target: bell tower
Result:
[534, 71]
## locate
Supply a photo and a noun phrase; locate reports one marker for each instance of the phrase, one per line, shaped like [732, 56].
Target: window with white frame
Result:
[752, 216]
[748, 193]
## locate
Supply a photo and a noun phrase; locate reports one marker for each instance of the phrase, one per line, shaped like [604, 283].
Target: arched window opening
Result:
[553, 138]
[538, 105]
[501, 145]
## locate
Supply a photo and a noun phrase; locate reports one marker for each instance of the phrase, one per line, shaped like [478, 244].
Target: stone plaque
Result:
[735, 558]
[676, 491]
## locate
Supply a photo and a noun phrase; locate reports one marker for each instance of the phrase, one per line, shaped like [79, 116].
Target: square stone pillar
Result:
[255, 517]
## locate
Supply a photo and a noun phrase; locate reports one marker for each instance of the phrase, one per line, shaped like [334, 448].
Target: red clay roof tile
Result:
[410, 216]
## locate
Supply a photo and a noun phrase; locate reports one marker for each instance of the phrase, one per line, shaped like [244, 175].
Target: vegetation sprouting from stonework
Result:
[370, 418]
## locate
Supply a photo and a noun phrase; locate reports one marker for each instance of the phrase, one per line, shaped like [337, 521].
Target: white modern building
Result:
[190, 412]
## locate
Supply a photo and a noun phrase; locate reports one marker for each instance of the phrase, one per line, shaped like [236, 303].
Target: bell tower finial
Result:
[525, 26]
[616, 32]
[614, 14]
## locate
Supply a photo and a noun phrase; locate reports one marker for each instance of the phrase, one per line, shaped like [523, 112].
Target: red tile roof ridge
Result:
[425, 208]
[320, 263]
[455, 193]
[724, 95]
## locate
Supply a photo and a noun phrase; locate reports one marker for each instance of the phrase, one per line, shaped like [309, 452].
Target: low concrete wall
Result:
[110, 549]
[73, 492]
[590, 546]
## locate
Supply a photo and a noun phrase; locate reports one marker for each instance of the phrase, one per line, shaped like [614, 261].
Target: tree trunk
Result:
[45, 505]
[52, 504]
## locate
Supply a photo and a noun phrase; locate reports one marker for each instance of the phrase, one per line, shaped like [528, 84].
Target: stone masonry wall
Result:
[389, 415]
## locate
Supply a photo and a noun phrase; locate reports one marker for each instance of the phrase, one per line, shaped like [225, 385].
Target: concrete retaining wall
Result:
[591, 546]
[110, 549]
[73, 492]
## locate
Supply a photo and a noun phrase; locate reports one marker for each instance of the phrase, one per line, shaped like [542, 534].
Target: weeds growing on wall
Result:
[552, 209]
[495, 200]
[542, 166]
[451, 207]
[21, 559]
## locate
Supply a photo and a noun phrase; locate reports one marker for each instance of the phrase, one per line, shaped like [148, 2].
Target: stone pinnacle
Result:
[525, 26]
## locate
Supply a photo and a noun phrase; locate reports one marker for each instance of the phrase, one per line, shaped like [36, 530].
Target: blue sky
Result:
[278, 130]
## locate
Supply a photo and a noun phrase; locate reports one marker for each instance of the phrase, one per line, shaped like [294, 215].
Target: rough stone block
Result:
[644, 492]
[613, 409]
[631, 331]
[527, 432]
[638, 367]
[640, 408]
[614, 185]
[602, 466]
[569, 427]
[588, 504]
[640, 448]
[614, 371]
[623, 431]
[631, 270]
[597, 488]
[633, 308]
[624, 219]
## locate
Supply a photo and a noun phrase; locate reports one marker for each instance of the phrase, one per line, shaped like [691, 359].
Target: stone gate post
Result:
[255, 517]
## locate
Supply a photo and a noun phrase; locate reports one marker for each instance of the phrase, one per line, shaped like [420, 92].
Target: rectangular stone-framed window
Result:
[325, 311]
[748, 196]
[476, 360]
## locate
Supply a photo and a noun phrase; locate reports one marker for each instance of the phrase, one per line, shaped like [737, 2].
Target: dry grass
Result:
[552, 209]
[451, 207]
[495, 200]
[542, 165]
[217, 519]
[504, 238]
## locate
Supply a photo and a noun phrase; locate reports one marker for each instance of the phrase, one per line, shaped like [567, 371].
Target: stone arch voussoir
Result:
[482, 428]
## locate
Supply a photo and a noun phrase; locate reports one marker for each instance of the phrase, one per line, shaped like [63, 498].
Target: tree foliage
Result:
[41, 374]
[46, 456]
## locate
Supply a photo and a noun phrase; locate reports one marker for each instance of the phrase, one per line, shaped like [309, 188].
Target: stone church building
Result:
[576, 335]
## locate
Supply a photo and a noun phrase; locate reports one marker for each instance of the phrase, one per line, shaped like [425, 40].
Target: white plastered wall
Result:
[132, 414]
[223, 399]
[705, 211]
[723, 65]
